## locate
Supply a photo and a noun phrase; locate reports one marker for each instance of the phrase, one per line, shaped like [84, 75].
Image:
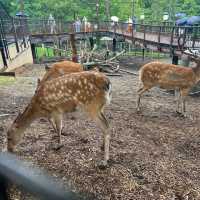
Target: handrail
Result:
[30, 179]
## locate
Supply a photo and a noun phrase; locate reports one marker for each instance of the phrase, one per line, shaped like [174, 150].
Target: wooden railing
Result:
[22, 27]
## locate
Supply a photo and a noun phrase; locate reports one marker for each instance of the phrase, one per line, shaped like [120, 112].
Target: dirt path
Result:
[154, 154]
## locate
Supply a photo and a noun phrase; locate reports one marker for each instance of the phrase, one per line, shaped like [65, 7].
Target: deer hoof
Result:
[57, 147]
[102, 165]
[138, 110]
[178, 112]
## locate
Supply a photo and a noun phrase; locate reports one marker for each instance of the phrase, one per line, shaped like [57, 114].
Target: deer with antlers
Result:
[90, 91]
[169, 76]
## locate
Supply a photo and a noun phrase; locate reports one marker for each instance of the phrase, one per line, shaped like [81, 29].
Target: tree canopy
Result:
[70, 9]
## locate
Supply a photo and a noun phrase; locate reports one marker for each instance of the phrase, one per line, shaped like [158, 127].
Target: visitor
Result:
[77, 25]
[52, 23]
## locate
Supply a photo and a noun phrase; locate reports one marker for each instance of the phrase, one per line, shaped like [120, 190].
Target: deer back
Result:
[166, 75]
[61, 68]
[73, 89]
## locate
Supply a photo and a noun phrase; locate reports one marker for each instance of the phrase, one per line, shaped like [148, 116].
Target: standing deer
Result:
[169, 76]
[90, 91]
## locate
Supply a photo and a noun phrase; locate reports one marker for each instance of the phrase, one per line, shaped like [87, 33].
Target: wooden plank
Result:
[7, 74]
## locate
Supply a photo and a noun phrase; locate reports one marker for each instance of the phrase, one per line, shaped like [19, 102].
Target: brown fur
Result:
[60, 69]
[168, 76]
[88, 90]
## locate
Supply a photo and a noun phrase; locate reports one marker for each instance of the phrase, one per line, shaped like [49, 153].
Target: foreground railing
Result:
[33, 181]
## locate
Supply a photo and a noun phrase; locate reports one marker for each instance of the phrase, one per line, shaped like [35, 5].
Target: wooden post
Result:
[144, 38]
[194, 36]
[160, 28]
[74, 51]
[15, 36]
[91, 42]
[143, 53]
[33, 52]
[114, 45]
[174, 57]
[2, 51]
[172, 37]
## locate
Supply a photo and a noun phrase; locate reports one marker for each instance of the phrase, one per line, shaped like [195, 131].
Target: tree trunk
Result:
[107, 6]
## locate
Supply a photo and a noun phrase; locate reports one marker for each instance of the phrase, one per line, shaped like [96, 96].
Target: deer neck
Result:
[25, 118]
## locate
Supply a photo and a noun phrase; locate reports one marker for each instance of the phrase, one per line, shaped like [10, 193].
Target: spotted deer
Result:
[60, 69]
[89, 90]
[169, 76]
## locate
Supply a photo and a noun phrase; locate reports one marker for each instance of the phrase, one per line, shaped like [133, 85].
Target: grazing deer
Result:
[59, 69]
[169, 76]
[90, 91]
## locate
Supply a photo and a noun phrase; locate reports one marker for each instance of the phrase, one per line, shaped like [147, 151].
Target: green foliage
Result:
[70, 9]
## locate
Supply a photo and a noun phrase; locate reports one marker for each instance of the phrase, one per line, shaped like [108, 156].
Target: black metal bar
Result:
[31, 180]
[2, 50]
[3, 189]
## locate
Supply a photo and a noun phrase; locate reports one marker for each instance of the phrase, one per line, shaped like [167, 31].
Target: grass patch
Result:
[4, 80]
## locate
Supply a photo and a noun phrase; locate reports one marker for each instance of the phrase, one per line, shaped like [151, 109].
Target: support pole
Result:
[74, 50]
[33, 52]
[174, 58]
[114, 45]
[91, 43]
[2, 52]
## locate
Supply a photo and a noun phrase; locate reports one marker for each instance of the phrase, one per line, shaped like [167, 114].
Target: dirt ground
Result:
[155, 154]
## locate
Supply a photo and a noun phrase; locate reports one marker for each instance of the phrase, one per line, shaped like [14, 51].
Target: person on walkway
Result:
[52, 23]
[77, 25]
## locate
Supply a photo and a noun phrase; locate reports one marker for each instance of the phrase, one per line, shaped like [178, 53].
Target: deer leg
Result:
[59, 125]
[56, 121]
[140, 92]
[52, 122]
[96, 113]
[178, 98]
[184, 93]
[106, 143]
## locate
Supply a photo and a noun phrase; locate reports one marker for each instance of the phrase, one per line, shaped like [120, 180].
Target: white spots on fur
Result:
[85, 81]
[91, 86]
[79, 83]
[57, 83]
[74, 98]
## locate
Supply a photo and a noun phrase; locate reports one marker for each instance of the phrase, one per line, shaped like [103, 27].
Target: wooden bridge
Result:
[164, 38]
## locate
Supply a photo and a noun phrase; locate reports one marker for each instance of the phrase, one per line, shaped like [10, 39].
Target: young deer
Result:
[60, 69]
[169, 76]
[89, 90]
